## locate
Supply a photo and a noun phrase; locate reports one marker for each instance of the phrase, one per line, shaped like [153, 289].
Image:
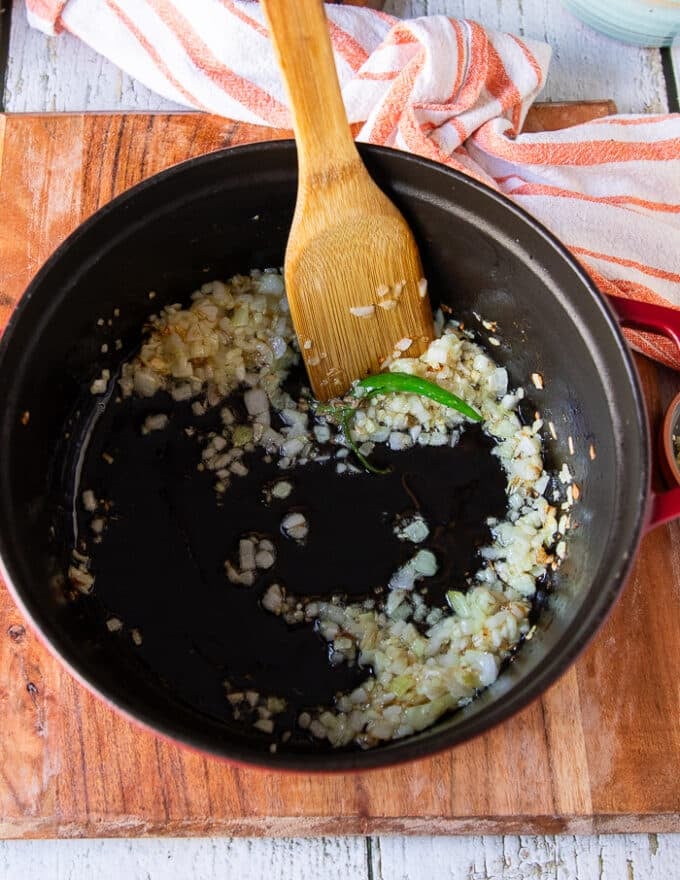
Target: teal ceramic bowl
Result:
[642, 22]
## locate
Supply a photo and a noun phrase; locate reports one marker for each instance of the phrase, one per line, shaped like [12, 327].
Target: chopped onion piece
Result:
[89, 500]
[155, 423]
[273, 599]
[362, 311]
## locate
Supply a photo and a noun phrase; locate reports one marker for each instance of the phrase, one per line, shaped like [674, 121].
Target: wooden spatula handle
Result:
[302, 44]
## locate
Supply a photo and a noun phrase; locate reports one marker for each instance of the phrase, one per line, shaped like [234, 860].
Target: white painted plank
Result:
[603, 857]
[337, 858]
[599, 857]
[585, 64]
[62, 73]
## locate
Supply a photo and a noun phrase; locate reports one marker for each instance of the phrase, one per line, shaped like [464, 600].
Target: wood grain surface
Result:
[599, 752]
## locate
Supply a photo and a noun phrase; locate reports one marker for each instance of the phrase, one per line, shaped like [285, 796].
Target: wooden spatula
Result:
[352, 269]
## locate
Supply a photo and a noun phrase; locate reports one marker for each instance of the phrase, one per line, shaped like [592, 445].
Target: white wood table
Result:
[60, 74]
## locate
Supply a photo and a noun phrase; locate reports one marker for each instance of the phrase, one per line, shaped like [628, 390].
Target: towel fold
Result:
[446, 89]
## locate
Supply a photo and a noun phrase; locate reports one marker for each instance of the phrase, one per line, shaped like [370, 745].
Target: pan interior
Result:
[228, 212]
[159, 568]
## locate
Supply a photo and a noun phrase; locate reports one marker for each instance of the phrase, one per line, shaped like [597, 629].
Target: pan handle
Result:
[663, 507]
[647, 316]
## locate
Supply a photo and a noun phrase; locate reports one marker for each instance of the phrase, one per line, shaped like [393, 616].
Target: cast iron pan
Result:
[161, 571]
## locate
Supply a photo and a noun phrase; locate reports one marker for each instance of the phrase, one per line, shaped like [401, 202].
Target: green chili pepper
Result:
[395, 383]
[344, 416]
[346, 422]
[391, 383]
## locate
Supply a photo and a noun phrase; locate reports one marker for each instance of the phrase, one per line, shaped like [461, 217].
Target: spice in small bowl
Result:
[670, 443]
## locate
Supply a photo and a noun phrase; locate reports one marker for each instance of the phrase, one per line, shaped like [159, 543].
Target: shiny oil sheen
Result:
[160, 565]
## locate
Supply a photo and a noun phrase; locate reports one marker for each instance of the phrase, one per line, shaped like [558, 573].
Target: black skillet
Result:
[225, 213]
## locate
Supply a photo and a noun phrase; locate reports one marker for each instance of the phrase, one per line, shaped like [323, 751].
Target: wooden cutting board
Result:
[599, 752]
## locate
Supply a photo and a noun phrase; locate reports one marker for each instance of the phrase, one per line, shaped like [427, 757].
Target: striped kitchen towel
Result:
[446, 89]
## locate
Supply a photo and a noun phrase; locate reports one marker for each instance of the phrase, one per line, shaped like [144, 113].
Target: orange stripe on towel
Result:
[395, 100]
[378, 77]
[400, 36]
[629, 264]
[531, 58]
[155, 56]
[574, 153]
[460, 51]
[47, 10]
[501, 86]
[239, 89]
[638, 120]
[347, 47]
[476, 69]
[540, 189]
[384, 16]
[245, 18]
